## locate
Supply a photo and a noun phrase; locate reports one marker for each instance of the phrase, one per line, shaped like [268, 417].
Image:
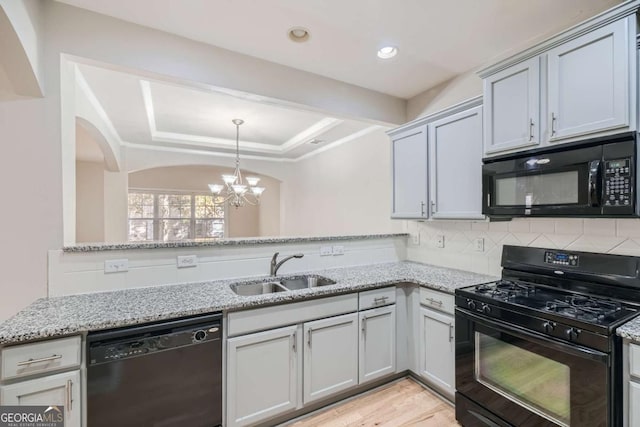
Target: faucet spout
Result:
[275, 265]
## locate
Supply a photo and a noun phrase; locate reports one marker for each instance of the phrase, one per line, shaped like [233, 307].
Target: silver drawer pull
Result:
[434, 301]
[44, 359]
[69, 395]
[380, 300]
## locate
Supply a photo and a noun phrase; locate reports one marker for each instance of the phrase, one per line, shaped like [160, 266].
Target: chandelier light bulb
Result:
[253, 180]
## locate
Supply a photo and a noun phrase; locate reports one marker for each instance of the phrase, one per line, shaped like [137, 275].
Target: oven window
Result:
[558, 188]
[529, 379]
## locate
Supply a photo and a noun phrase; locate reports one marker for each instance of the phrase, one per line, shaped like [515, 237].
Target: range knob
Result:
[548, 327]
[573, 333]
[471, 304]
[486, 309]
[199, 336]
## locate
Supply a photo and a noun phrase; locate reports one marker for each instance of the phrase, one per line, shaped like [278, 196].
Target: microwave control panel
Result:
[617, 185]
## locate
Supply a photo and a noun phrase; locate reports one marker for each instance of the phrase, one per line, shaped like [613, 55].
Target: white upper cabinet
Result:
[588, 83]
[455, 145]
[512, 107]
[409, 159]
[580, 84]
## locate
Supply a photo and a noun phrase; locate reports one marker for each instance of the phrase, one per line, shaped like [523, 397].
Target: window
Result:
[168, 216]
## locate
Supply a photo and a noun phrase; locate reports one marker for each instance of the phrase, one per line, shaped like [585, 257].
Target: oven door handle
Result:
[593, 184]
[579, 351]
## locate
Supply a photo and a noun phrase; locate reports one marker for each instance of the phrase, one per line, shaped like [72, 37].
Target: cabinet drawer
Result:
[377, 298]
[437, 300]
[36, 358]
[634, 360]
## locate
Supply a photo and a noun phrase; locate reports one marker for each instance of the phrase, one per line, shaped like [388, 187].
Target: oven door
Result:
[520, 378]
[552, 184]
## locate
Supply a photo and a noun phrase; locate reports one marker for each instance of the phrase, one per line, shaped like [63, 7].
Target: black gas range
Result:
[538, 347]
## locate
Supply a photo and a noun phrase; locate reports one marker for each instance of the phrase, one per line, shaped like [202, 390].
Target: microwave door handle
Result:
[594, 180]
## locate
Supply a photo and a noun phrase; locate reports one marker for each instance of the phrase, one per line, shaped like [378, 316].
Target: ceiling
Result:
[437, 39]
[155, 113]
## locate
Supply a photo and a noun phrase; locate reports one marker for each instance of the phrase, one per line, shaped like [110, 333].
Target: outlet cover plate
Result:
[338, 250]
[186, 261]
[326, 251]
[116, 265]
[440, 241]
[479, 244]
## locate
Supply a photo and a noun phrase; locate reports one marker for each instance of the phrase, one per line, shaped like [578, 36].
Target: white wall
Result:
[30, 180]
[345, 190]
[621, 236]
[90, 206]
[21, 46]
[451, 92]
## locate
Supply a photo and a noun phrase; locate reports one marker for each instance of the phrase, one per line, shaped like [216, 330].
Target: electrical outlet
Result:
[415, 238]
[440, 241]
[479, 244]
[326, 251]
[187, 261]
[116, 265]
[338, 250]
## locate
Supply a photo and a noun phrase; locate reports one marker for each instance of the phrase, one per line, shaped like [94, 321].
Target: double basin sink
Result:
[280, 284]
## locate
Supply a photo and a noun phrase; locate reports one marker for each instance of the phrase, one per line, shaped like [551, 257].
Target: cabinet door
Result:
[512, 107]
[331, 356]
[437, 350]
[52, 390]
[409, 154]
[634, 404]
[455, 145]
[262, 375]
[377, 343]
[589, 83]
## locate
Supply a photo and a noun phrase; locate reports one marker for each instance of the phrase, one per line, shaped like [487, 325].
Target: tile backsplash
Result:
[616, 236]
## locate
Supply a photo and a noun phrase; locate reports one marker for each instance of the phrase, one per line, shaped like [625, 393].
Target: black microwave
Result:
[595, 178]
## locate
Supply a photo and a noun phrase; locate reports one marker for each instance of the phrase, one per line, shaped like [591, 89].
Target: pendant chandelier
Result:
[234, 190]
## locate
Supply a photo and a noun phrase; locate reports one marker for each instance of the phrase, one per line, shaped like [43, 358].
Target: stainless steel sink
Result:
[296, 283]
[257, 288]
[280, 284]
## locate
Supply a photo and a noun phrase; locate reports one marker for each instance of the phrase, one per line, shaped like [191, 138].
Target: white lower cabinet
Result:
[262, 375]
[330, 356]
[634, 404]
[437, 350]
[60, 389]
[377, 351]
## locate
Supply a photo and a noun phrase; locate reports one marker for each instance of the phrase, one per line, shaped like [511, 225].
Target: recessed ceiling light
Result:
[299, 34]
[387, 52]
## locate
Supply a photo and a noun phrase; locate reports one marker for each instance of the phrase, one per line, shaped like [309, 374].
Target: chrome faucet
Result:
[275, 265]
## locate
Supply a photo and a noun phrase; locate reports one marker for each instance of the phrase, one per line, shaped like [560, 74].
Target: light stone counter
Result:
[59, 316]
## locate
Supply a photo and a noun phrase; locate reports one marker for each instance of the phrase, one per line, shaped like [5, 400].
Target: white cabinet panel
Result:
[377, 343]
[588, 82]
[330, 356]
[634, 404]
[262, 375]
[512, 107]
[60, 390]
[409, 159]
[455, 153]
[437, 350]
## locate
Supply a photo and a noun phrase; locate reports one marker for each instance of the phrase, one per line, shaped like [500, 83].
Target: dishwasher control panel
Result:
[119, 348]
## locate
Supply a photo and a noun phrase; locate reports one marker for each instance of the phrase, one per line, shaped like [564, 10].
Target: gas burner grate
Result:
[583, 307]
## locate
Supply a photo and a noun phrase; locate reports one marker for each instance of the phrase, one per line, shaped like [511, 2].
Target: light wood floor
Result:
[402, 403]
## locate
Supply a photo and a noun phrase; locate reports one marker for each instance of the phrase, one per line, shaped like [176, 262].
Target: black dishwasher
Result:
[166, 374]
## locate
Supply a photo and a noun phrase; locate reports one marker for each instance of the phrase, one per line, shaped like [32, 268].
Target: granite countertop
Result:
[59, 316]
[630, 330]
[96, 247]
